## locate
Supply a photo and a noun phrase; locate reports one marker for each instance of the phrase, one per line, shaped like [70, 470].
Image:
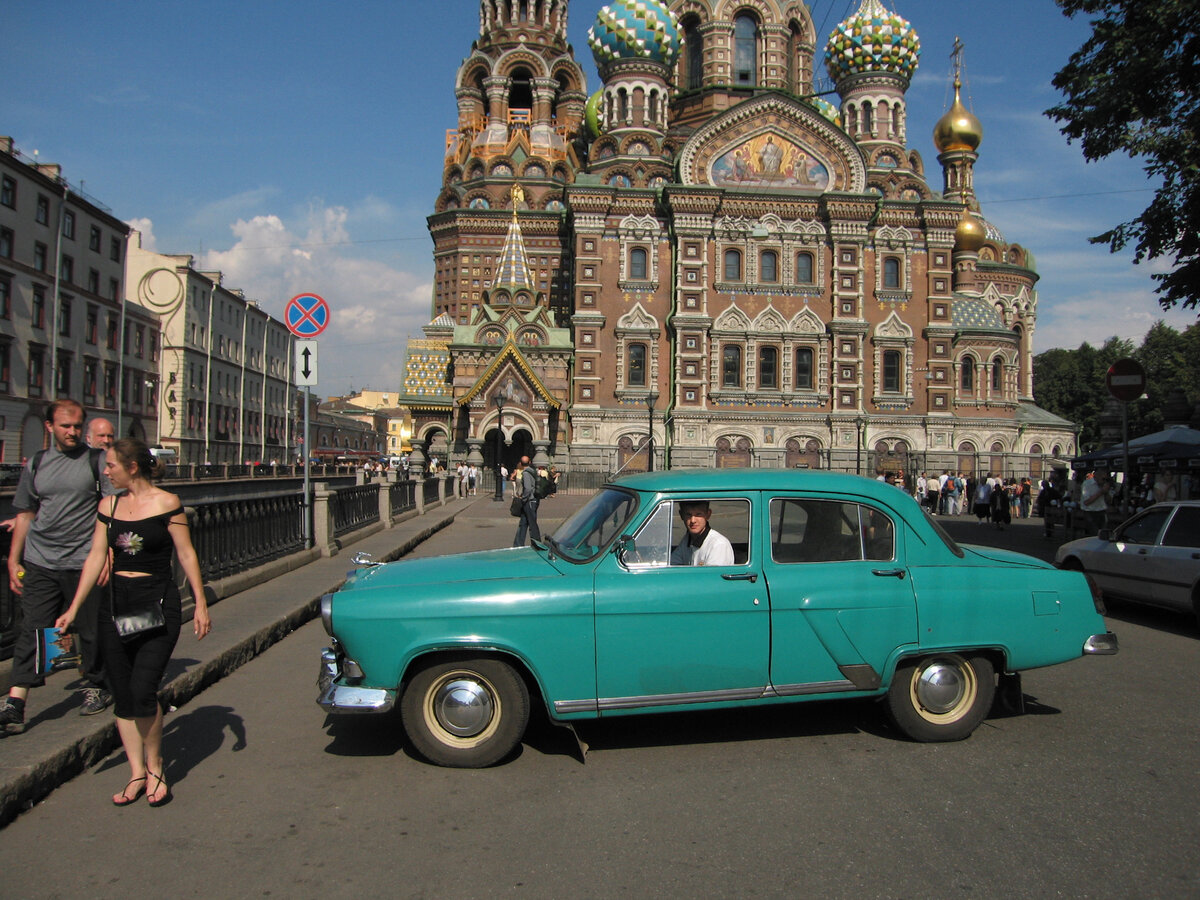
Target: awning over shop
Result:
[1175, 447]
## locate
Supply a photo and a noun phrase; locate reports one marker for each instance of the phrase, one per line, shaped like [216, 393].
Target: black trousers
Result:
[135, 666]
[45, 595]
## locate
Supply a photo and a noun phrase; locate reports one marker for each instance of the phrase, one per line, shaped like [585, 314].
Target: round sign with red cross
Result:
[307, 315]
[1126, 380]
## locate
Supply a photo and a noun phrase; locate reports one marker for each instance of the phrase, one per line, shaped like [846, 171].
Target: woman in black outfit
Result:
[141, 526]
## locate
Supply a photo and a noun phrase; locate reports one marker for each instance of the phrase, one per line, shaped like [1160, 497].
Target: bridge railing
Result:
[354, 507]
[232, 536]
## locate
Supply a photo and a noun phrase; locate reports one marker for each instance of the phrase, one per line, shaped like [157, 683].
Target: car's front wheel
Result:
[942, 697]
[466, 714]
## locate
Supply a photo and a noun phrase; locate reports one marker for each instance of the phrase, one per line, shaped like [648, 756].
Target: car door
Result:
[669, 634]
[1122, 566]
[1174, 565]
[841, 599]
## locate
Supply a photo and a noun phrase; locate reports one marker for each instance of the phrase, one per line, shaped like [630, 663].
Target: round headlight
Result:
[327, 613]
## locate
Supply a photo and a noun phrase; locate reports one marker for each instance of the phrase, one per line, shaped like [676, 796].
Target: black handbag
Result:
[516, 507]
[140, 619]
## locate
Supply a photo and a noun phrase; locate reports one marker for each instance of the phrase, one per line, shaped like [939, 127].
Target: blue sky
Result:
[298, 147]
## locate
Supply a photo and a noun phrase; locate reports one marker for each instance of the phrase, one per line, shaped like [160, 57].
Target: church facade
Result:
[703, 263]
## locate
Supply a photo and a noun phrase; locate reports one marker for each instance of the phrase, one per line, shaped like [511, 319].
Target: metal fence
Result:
[232, 536]
[403, 496]
[354, 507]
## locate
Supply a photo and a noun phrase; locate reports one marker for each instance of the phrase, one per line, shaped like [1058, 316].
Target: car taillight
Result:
[1097, 595]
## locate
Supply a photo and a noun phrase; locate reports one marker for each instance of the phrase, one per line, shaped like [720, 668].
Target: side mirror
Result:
[624, 544]
[1105, 534]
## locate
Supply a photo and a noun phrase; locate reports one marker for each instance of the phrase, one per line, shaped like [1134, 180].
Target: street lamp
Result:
[650, 398]
[861, 423]
[499, 401]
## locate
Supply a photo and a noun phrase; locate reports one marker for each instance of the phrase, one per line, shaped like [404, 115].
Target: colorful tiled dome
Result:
[635, 29]
[872, 40]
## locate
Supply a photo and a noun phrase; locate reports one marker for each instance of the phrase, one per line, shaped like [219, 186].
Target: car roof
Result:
[700, 480]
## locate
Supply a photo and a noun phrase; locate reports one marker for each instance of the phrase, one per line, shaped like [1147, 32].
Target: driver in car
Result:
[702, 545]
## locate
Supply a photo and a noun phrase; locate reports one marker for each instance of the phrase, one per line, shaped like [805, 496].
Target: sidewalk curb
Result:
[22, 791]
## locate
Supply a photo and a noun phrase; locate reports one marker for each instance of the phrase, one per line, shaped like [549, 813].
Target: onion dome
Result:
[872, 40]
[591, 113]
[635, 29]
[970, 233]
[827, 109]
[958, 129]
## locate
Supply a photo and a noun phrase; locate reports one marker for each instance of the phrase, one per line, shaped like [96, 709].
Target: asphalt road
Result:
[1092, 793]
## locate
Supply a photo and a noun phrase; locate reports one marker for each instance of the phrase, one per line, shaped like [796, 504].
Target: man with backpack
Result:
[56, 503]
[525, 485]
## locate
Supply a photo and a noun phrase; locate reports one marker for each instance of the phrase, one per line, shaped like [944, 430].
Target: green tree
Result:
[1134, 88]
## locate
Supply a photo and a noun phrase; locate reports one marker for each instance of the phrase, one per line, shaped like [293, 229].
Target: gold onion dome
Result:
[958, 129]
[970, 233]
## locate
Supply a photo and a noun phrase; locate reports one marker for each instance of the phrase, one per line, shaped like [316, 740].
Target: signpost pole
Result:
[1127, 494]
[308, 504]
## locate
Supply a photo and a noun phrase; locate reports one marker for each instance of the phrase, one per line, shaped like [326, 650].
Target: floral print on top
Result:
[141, 545]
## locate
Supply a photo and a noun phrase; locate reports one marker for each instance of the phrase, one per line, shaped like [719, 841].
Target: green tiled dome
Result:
[872, 40]
[635, 29]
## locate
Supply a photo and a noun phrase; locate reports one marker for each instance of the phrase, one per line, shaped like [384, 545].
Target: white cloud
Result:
[146, 227]
[374, 306]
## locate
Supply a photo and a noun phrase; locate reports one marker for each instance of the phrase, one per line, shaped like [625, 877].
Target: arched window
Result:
[520, 95]
[733, 265]
[694, 42]
[635, 375]
[997, 373]
[891, 272]
[768, 268]
[891, 371]
[804, 369]
[968, 374]
[868, 121]
[731, 366]
[768, 368]
[804, 268]
[795, 76]
[637, 264]
[745, 51]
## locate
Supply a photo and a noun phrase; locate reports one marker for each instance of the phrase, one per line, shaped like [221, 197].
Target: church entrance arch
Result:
[803, 454]
[631, 453]
[733, 453]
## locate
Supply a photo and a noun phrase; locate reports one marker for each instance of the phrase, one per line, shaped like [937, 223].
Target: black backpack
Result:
[541, 487]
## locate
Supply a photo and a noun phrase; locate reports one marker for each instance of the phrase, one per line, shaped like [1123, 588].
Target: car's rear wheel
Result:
[466, 714]
[942, 697]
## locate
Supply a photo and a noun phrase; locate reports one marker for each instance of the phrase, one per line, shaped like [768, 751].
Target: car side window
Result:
[1145, 528]
[1184, 530]
[664, 538]
[829, 531]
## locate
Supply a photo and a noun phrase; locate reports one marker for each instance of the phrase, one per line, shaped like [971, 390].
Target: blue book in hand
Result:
[55, 651]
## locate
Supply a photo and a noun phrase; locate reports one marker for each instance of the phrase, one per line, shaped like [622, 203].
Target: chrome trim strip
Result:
[1100, 645]
[815, 687]
[574, 706]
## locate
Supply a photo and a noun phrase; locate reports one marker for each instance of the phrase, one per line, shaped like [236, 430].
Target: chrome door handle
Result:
[889, 573]
[751, 577]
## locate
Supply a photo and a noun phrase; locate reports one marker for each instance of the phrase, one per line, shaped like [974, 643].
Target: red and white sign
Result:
[1126, 380]
[307, 315]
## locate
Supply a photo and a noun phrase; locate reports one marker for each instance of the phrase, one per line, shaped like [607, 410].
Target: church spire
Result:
[513, 282]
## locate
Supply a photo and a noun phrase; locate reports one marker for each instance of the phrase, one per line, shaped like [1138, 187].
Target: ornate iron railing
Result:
[354, 507]
[403, 496]
[430, 489]
[232, 536]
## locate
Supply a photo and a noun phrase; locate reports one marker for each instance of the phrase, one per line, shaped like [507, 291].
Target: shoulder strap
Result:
[37, 461]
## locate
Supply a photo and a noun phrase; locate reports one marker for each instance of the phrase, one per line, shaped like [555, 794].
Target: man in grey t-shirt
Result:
[56, 503]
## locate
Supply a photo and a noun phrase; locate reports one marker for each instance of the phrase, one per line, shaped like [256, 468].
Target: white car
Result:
[1152, 558]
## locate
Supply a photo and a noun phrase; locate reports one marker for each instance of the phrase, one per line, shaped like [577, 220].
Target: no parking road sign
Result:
[307, 315]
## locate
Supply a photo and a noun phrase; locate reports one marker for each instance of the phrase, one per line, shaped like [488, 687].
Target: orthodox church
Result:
[704, 263]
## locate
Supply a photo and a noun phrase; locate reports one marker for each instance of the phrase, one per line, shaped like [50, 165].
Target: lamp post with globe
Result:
[499, 401]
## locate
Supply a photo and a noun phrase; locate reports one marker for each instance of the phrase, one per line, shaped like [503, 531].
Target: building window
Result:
[64, 317]
[745, 51]
[733, 265]
[111, 329]
[8, 192]
[968, 374]
[768, 368]
[69, 224]
[804, 369]
[636, 374]
[114, 288]
[114, 250]
[891, 272]
[38, 310]
[110, 385]
[693, 42]
[42, 213]
[139, 342]
[90, 380]
[891, 371]
[5, 298]
[637, 264]
[804, 268]
[5, 365]
[731, 366]
[93, 282]
[6, 243]
[62, 376]
[66, 271]
[39, 256]
[997, 373]
[37, 370]
[94, 239]
[768, 267]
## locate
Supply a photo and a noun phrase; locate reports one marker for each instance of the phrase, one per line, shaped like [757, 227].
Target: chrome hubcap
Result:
[463, 706]
[940, 687]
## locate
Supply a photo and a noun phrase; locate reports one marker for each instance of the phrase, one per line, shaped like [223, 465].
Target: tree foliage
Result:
[1134, 88]
[1071, 383]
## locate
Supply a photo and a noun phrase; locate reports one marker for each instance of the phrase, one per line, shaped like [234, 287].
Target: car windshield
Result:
[950, 543]
[595, 525]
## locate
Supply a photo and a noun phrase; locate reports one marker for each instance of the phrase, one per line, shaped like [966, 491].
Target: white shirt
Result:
[714, 551]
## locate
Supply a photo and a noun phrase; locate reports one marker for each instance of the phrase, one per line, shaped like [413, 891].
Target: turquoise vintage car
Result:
[820, 585]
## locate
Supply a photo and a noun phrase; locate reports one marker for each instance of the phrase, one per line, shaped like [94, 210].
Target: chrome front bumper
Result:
[1100, 645]
[345, 698]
